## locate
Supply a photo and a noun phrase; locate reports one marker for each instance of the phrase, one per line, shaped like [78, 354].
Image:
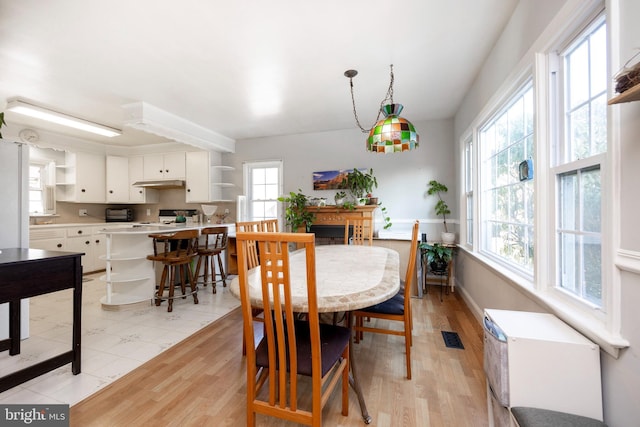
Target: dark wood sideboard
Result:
[26, 273]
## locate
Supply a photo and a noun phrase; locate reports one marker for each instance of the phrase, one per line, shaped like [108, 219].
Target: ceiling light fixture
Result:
[148, 118]
[392, 134]
[31, 110]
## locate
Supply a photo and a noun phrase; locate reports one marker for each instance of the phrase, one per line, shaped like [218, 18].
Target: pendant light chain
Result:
[388, 97]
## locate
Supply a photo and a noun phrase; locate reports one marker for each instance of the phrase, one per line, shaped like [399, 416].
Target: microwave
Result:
[118, 215]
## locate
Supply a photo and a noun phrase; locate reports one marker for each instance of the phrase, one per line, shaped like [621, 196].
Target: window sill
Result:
[592, 328]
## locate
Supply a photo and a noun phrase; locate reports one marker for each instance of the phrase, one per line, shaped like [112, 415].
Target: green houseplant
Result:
[438, 256]
[2, 122]
[339, 197]
[360, 184]
[296, 215]
[441, 208]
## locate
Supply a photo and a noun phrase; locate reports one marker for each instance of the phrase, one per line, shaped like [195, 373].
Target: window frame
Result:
[560, 164]
[501, 107]
[248, 168]
[603, 327]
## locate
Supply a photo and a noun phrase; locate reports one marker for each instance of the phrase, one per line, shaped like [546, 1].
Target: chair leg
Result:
[172, 278]
[205, 278]
[223, 274]
[192, 284]
[198, 266]
[160, 291]
[213, 274]
[407, 346]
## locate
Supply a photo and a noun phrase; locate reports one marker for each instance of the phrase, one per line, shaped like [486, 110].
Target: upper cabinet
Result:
[82, 178]
[117, 179]
[164, 166]
[206, 181]
[139, 194]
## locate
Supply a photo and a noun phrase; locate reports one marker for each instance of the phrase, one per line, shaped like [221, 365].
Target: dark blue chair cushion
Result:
[394, 305]
[333, 339]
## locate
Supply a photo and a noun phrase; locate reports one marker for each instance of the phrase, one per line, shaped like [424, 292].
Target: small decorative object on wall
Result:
[330, 180]
[525, 170]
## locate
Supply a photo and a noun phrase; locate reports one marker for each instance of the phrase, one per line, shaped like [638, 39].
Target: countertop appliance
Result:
[118, 215]
[537, 360]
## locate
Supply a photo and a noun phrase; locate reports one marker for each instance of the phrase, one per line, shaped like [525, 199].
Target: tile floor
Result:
[113, 343]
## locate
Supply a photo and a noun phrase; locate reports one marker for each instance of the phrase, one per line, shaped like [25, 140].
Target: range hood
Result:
[160, 184]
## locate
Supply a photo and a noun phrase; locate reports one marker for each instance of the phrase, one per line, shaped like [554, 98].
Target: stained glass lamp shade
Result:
[393, 133]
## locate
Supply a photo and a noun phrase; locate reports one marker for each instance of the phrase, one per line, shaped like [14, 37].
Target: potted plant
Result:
[296, 215]
[360, 184]
[438, 256]
[442, 209]
[2, 122]
[340, 198]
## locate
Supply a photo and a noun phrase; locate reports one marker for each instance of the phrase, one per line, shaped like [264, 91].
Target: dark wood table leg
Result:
[77, 321]
[14, 327]
[353, 375]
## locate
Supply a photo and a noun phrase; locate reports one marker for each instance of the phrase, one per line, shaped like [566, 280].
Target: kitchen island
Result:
[130, 277]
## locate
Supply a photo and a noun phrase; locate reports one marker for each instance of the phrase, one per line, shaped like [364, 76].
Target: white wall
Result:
[484, 287]
[402, 177]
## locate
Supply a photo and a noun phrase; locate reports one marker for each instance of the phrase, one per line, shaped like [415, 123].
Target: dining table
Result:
[348, 278]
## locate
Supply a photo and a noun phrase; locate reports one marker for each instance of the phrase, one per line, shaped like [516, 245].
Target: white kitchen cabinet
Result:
[164, 166]
[139, 194]
[73, 238]
[82, 178]
[206, 178]
[117, 179]
[79, 240]
[49, 239]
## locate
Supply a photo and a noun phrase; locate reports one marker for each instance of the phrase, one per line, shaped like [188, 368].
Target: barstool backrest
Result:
[215, 237]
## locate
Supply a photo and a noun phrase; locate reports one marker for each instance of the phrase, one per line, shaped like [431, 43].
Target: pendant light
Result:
[392, 134]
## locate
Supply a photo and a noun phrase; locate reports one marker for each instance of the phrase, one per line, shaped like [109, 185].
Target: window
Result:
[263, 186]
[578, 165]
[507, 202]
[468, 184]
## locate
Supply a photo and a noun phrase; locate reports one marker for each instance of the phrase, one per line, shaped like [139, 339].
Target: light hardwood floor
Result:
[201, 381]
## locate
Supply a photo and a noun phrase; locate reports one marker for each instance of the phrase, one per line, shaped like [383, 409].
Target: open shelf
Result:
[629, 95]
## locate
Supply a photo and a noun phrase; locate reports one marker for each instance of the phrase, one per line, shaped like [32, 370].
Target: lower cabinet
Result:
[85, 239]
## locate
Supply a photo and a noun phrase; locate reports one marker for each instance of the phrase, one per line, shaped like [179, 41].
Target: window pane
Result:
[578, 75]
[271, 176]
[568, 201]
[592, 269]
[579, 133]
[599, 125]
[258, 176]
[271, 191]
[590, 189]
[507, 202]
[598, 52]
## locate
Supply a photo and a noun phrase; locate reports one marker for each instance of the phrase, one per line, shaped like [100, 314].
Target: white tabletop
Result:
[347, 278]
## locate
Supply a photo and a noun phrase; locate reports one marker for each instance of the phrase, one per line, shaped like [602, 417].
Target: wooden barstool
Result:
[215, 241]
[175, 251]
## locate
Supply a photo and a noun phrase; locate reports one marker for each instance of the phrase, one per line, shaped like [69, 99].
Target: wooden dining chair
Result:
[290, 347]
[398, 308]
[175, 251]
[270, 225]
[358, 230]
[250, 226]
[252, 260]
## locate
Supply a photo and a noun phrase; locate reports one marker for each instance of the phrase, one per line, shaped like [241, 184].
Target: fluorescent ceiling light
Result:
[21, 107]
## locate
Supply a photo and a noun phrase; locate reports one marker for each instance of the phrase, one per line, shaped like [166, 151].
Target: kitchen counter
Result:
[129, 275]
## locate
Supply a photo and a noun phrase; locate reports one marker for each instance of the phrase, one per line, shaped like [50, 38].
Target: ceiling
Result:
[243, 68]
